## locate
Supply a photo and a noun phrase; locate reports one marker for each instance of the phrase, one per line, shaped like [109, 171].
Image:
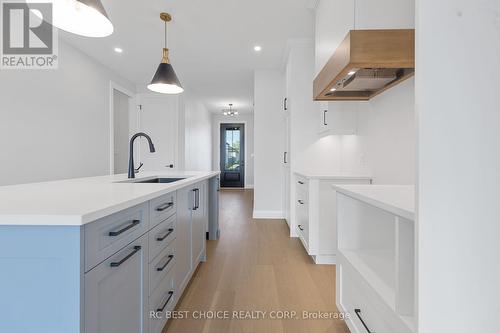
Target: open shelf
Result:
[377, 267]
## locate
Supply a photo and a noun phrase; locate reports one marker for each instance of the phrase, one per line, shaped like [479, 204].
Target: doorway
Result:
[232, 155]
[120, 106]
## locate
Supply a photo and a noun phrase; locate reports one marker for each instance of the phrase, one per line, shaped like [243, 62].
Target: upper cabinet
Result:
[335, 19]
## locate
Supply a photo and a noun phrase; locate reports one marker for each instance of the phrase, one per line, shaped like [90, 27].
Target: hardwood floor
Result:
[256, 266]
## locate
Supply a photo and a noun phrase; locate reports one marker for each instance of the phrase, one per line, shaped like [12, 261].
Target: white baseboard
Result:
[268, 214]
[325, 259]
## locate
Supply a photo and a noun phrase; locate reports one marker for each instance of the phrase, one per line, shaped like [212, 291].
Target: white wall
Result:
[457, 86]
[268, 144]
[247, 119]
[55, 123]
[197, 136]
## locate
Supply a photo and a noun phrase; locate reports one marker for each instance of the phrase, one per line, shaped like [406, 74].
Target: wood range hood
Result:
[366, 63]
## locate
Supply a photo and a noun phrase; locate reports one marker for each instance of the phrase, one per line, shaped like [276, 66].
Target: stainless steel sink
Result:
[153, 180]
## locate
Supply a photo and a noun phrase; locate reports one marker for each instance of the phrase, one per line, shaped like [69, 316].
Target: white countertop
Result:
[82, 200]
[396, 199]
[333, 176]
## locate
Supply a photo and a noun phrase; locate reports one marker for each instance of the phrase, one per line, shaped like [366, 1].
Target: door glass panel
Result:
[232, 161]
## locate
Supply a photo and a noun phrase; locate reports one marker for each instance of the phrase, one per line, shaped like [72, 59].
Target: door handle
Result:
[118, 232]
[118, 263]
[170, 294]
[285, 157]
[161, 268]
[285, 104]
[161, 238]
[324, 117]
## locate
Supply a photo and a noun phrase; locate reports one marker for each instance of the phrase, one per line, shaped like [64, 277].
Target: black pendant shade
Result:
[165, 80]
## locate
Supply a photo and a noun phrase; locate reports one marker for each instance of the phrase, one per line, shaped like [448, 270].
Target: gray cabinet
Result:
[116, 291]
[199, 218]
[185, 203]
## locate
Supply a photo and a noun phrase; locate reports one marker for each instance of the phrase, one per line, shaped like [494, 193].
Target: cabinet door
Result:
[199, 222]
[183, 237]
[338, 117]
[116, 292]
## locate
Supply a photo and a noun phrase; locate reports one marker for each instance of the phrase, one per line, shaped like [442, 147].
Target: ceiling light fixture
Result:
[333, 89]
[165, 80]
[230, 111]
[257, 48]
[351, 73]
[118, 50]
[81, 17]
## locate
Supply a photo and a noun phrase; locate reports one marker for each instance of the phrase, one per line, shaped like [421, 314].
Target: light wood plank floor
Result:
[256, 266]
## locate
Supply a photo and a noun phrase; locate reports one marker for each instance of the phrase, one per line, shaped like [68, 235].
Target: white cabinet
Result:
[376, 259]
[315, 213]
[116, 292]
[338, 117]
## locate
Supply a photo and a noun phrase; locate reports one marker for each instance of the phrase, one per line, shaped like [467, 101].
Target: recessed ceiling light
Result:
[351, 73]
[257, 48]
[118, 50]
[333, 89]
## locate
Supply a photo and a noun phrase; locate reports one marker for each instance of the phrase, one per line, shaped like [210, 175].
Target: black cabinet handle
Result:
[164, 206]
[118, 232]
[137, 248]
[324, 117]
[285, 155]
[300, 202]
[196, 198]
[170, 257]
[358, 313]
[285, 104]
[170, 294]
[301, 182]
[300, 227]
[161, 238]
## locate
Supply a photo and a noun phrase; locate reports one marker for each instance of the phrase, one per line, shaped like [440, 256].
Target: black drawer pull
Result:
[300, 202]
[358, 313]
[165, 206]
[159, 239]
[170, 257]
[170, 294]
[137, 248]
[118, 232]
[300, 227]
[301, 182]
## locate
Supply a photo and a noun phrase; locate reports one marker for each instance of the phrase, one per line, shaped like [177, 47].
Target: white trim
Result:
[112, 87]
[217, 146]
[325, 259]
[249, 186]
[268, 214]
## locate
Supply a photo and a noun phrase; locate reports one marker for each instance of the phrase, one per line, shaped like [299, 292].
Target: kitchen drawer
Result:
[161, 301]
[161, 266]
[108, 235]
[302, 216]
[162, 208]
[356, 294]
[161, 235]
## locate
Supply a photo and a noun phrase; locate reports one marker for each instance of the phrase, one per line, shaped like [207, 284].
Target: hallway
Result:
[256, 266]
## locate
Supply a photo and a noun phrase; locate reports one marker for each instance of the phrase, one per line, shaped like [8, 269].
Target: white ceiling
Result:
[211, 43]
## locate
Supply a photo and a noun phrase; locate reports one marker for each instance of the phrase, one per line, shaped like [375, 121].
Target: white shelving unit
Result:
[376, 261]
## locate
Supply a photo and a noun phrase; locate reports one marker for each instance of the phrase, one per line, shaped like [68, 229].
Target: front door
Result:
[232, 164]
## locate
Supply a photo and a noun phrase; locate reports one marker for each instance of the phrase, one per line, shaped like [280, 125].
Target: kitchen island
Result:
[101, 254]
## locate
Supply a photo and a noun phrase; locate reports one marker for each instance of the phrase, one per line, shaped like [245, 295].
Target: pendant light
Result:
[165, 80]
[81, 17]
[230, 111]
